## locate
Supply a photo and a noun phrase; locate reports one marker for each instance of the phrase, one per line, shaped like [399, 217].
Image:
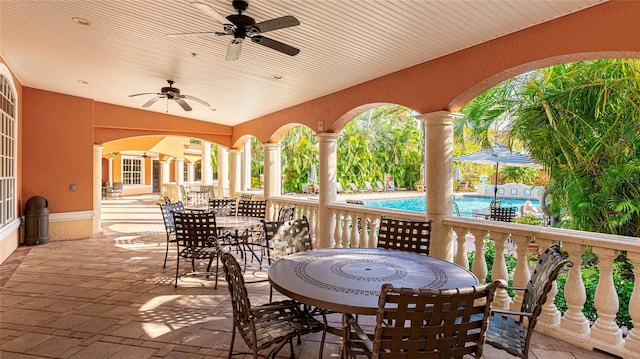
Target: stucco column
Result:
[110, 159]
[327, 179]
[235, 176]
[272, 170]
[246, 166]
[439, 132]
[205, 168]
[191, 172]
[165, 172]
[223, 171]
[97, 189]
[180, 177]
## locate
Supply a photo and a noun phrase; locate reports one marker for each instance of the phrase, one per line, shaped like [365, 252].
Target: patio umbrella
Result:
[312, 174]
[496, 155]
[457, 174]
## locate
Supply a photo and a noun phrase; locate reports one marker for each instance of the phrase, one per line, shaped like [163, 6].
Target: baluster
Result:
[550, 313]
[574, 292]
[461, 254]
[313, 224]
[337, 234]
[364, 239]
[479, 267]
[353, 233]
[499, 270]
[606, 299]
[632, 343]
[372, 232]
[521, 274]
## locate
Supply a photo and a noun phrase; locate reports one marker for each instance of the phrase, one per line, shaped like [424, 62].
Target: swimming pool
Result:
[465, 203]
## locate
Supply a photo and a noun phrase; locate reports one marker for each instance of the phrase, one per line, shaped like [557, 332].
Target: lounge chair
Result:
[392, 187]
[380, 186]
[339, 189]
[355, 188]
[369, 188]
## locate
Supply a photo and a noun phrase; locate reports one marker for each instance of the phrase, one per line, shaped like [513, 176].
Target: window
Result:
[7, 151]
[132, 169]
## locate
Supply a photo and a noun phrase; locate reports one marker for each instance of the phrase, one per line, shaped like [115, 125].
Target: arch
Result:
[113, 122]
[494, 80]
[343, 120]
[446, 82]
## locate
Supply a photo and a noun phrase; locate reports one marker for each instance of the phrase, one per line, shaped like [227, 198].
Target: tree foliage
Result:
[580, 120]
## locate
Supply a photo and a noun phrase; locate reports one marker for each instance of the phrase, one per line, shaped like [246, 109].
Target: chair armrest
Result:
[276, 305]
[511, 312]
[353, 324]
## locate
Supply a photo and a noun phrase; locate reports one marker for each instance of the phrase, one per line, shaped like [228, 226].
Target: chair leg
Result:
[177, 271]
[217, 267]
[166, 254]
[233, 337]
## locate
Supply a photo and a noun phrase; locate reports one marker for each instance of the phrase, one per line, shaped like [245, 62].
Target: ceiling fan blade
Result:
[196, 100]
[145, 93]
[194, 34]
[276, 45]
[208, 10]
[274, 24]
[152, 101]
[185, 106]
[233, 51]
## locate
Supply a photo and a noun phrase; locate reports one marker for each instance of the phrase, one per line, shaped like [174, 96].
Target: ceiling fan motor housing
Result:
[240, 5]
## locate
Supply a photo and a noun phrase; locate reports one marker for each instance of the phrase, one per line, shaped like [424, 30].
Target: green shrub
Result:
[532, 220]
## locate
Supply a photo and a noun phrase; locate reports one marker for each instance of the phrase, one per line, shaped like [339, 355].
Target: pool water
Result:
[466, 204]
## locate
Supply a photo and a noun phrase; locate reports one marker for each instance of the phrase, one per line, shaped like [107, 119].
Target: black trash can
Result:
[36, 224]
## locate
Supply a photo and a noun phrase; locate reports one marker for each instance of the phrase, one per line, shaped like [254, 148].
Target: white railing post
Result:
[499, 271]
[521, 272]
[461, 258]
[606, 299]
[479, 267]
[632, 342]
[575, 294]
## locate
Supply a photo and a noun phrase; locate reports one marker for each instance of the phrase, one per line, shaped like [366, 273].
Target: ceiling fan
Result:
[243, 26]
[171, 93]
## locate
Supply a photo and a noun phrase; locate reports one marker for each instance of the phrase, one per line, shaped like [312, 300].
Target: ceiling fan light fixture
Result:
[80, 21]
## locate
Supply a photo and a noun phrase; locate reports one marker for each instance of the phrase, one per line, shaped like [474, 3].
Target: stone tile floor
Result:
[109, 297]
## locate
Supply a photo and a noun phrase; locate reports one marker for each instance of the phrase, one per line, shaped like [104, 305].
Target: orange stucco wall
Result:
[607, 30]
[57, 149]
[114, 122]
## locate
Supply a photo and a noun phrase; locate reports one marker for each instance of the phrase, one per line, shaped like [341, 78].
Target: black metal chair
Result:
[284, 238]
[169, 225]
[286, 213]
[256, 209]
[405, 235]
[265, 327]
[413, 323]
[502, 214]
[223, 206]
[194, 233]
[507, 329]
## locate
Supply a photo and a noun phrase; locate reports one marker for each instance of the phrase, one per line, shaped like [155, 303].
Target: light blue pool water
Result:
[465, 203]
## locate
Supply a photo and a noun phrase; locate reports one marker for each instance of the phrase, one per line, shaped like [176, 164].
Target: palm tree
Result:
[580, 120]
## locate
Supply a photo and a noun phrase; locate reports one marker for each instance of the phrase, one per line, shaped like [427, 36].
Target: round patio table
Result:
[349, 280]
[237, 224]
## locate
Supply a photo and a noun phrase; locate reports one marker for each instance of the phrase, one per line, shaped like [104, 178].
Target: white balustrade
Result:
[572, 326]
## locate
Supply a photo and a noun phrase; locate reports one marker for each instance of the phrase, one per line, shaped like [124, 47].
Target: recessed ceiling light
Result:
[84, 82]
[277, 77]
[80, 21]
[213, 109]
